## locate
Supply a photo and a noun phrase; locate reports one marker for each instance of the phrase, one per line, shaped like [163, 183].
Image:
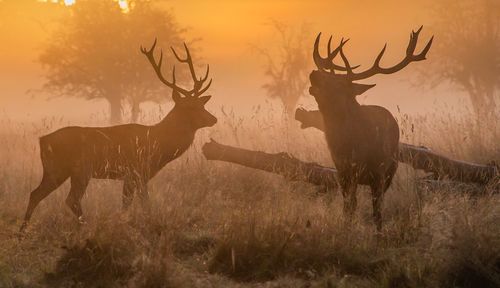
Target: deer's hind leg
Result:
[143, 194]
[378, 188]
[79, 183]
[51, 180]
[129, 187]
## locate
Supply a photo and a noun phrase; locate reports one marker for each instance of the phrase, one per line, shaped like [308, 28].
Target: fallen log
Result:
[280, 163]
[422, 158]
[309, 118]
[286, 165]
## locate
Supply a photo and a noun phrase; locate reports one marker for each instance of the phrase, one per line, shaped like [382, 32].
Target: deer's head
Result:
[189, 104]
[333, 84]
[192, 109]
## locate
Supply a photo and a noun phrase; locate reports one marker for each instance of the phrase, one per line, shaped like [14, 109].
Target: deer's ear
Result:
[176, 96]
[204, 99]
[359, 89]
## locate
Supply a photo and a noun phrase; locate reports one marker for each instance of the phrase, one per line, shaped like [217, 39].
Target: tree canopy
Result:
[95, 54]
[467, 51]
[287, 64]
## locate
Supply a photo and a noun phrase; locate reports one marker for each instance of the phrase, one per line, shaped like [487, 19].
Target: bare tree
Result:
[94, 54]
[287, 64]
[467, 51]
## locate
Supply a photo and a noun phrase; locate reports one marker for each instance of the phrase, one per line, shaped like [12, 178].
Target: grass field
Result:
[218, 224]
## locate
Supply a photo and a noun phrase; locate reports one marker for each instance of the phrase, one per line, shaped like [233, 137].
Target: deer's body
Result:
[364, 143]
[378, 120]
[117, 152]
[131, 153]
[363, 139]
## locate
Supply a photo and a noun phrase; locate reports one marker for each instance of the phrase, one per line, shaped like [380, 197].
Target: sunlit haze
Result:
[227, 29]
[250, 143]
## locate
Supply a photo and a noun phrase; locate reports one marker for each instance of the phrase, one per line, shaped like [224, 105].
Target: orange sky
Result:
[227, 28]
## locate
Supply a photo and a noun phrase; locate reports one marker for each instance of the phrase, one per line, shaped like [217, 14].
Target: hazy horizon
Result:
[238, 72]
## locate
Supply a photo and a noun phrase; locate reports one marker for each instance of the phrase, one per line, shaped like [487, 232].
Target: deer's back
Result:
[106, 152]
[380, 123]
[77, 139]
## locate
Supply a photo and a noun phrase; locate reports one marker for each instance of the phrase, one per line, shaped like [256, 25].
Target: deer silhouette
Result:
[362, 139]
[131, 153]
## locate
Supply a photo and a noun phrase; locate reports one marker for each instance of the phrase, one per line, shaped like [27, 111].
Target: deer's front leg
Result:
[79, 183]
[349, 185]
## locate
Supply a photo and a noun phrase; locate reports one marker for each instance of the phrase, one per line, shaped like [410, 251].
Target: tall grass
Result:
[218, 224]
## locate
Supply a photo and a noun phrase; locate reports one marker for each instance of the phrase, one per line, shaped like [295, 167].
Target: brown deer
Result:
[362, 139]
[131, 153]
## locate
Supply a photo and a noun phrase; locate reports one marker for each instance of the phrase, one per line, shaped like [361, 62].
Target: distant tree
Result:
[467, 51]
[95, 54]
[14, 12]
[287, 63]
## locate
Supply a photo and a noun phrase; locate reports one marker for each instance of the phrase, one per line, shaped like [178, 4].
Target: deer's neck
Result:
[339, 115]
[341, 121]
[175, 130]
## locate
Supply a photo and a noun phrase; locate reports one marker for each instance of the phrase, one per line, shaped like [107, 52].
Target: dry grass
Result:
[217, 224]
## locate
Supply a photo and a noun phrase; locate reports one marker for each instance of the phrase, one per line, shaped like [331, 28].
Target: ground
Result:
[216, 224]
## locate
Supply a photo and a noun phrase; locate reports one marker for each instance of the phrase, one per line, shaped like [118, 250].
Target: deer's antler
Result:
[327, 63]
[198, 83]
[376, 69]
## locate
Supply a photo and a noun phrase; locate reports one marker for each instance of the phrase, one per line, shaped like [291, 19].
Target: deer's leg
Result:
[349, 190]
[144, 196]
[378, 189]
[49, 183]
[129, 187]
[79, 183]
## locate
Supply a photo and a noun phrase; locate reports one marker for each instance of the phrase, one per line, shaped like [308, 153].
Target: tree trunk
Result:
[442, 167]
[135, 111]
[115, 110]
[295, 170]
[280, 163]
[420, 157]
[309, 119]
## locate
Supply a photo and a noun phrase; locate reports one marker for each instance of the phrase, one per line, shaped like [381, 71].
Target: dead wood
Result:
[422, 158]
[280, 163]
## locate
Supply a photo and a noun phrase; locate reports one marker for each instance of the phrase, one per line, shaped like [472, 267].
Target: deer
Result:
[131, 153]
[362, 139]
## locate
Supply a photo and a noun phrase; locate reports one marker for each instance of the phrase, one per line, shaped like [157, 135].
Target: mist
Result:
[237, 71]
[195, 143]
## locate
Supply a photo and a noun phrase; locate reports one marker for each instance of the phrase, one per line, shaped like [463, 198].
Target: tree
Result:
[287, 64]
[95, 54]
[467, 51]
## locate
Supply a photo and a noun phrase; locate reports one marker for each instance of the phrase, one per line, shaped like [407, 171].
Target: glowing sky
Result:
[122, 3]
[226, 29]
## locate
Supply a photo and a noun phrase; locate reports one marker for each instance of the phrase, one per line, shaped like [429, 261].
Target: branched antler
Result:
[327, 63]
[410, 57]
[198, 83]
[197, 89]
